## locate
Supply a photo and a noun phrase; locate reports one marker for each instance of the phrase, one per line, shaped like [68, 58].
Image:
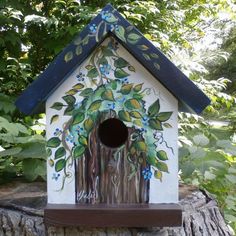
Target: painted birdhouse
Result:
[111, 100]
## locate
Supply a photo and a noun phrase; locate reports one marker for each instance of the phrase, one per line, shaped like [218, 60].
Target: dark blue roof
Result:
[110, 22]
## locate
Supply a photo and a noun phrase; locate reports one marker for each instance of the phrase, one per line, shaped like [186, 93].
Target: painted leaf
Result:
[153, 110]
[60, 164]
[71, 92]
[107, 52]
[94, 106]
[132, 150]
[129, 28]
[138, 96]
[83, 140]
[79, 117]
[108, 95]
[133, 38]
[164, 116]
[54, 118]
[113, 84]
[69, 110]
[69, 99]
[103, 61]
[167, 125]
[162, 155]
[143, 47]
[57, 106]
[120, 73]
[86, 92]
[111, 18]
[126, 88]
[60, 152]
[49, 152]
[155, 124]
[138, 123]
[141, 146]
[135, 114]
[124, 115]
[154, 55]
[89, 67]
[85, 40]
[132, 104]
[138, 88]
[120, 33]
[158, 175]
[157, 66]
[78, 86]
[51, 162]
[88, 125]
[161, 166]
[120, 63]
[131, 68]
[93, 73]
[146, 56]
[78, 151]
[53, 142]
[78, 50]
[68, 56]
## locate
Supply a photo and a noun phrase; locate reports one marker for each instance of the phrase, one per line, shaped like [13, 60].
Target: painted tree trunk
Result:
[21, 214]
[110, 175]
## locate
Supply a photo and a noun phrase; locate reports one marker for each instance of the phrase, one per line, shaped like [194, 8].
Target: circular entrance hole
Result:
[113, 133]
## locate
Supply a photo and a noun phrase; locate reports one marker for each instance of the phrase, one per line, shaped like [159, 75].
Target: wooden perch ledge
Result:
[22, 205]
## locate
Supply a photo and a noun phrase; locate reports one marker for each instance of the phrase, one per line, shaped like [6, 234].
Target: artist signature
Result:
[84, 195]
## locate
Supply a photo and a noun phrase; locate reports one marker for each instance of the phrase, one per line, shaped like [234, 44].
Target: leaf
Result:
[120, 33]
[77, 41]
[60, 152]
[120, 73]
[131, 68]
[93, 73]
[49, 152]
[88, 125]
[51, 162]
[94, 106]
[85, 40]
[53, 142]
[126, 88]
[69, 99]
[132, 104]
[138, 88]
[54, 118]
[78, 118]
[135, 114]
[162, 155]
[78, 50]
[78, 152]
[108, 95]
[83, 140]
[86, 92]
[157, 66]
[68, 56]
[57, 106]
[89, 67]
[111, 18]
[146, 56]
[158, 175]
[167, 125]
[107, 52]
[60, 165]
[124, 115]
[143, 47]
[141, 146]
[120, 63]
[69, 110]
[113, 84]
[138, 123]
[153, 110]
[164, 116]
[154, 55]
[133, 38]
[155, 124]
[71, 92]
[161, 166]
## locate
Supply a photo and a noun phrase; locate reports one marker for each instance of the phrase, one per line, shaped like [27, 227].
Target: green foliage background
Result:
[33, 32]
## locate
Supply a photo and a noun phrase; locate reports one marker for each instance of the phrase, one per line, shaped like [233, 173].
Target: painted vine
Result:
[103, 88]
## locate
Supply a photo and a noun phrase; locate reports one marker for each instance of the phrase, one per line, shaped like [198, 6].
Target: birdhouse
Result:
[111, 100]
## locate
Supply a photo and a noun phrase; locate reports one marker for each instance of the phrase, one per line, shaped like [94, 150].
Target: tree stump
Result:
[21, 214]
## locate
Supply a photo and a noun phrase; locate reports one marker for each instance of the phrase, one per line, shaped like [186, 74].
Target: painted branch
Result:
[21, 214]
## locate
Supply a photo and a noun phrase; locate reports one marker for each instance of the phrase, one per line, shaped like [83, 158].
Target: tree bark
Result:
[21, 214]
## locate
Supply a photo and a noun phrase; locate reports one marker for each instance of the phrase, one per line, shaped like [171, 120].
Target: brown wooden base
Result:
[122, 215]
